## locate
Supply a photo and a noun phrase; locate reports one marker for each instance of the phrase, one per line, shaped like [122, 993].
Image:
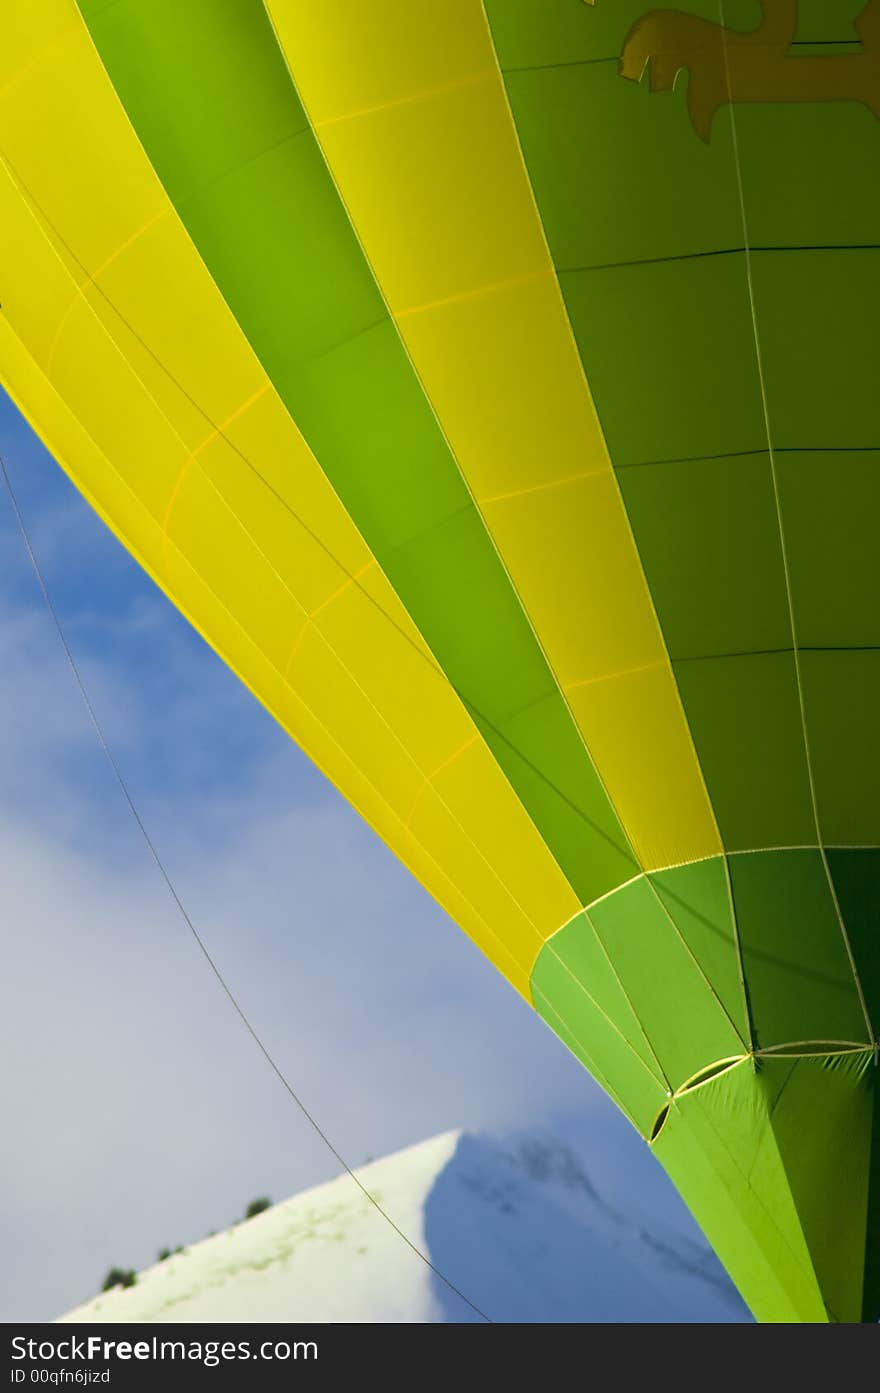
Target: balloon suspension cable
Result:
[185, 916]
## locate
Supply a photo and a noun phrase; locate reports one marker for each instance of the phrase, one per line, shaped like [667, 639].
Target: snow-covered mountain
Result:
[515, 1224]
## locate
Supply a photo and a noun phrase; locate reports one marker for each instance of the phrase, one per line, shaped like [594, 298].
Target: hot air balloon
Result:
[494, 386]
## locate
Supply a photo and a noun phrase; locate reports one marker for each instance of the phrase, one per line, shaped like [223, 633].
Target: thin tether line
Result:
[765, 406]
[184, 913]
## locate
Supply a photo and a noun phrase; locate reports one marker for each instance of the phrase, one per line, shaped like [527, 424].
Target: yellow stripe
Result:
[339, 663]
[409, 106]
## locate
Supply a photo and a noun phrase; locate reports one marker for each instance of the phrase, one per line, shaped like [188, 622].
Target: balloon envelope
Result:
[494, 387]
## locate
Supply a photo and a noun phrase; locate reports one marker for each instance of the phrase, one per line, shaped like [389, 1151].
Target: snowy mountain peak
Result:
[514, 1222]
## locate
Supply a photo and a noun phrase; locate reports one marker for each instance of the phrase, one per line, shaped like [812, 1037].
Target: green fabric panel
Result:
[632, 1090]
[856, 876]
[698, 899]
[831, 505]
[669, 347]
[822, 1110]
[757, 1157]
[709, 1147]
[691, 387]
[629, 156]
[578, 949]
[671, 997]
[745, 719]
[208, 93]
[576, 992]
[709, 540]
[804, 171]
[817, 317]
[871, 1290]
[842, 700]
[800, 983]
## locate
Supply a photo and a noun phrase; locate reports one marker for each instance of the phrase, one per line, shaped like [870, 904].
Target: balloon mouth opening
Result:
[659, 1123]
[703, 1076]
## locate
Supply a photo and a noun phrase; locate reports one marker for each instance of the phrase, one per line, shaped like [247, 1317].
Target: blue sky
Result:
[137, 1111]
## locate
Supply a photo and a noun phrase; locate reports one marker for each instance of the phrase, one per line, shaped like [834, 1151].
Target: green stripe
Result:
[645, 227]
[208, 93]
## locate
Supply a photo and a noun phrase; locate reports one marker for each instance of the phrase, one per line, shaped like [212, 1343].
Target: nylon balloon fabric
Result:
[494, 387]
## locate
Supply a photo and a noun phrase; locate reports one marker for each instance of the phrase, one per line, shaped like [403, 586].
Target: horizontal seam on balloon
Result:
[749, 454]
[429, 778]
[92, 279]
[839, 1047]
[599, 471]
[704, 860]
[565, 63]
[482, 292]
[672, 257]
[696, 1080]
[779, 652]
[615, 57]
[351, 582]
[195, 192]
[218, 433]
[37, 58]
[411, 99]
[657, 666]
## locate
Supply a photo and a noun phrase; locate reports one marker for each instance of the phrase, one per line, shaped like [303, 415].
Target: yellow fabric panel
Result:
[339, 664]
[409, 105]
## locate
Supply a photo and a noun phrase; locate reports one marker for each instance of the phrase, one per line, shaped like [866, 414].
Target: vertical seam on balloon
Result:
[644, 581]
[576, 349]
[600, 1010]
[521, 968]
[698, 965]
[634, 1013]
[607, 1018]
[392, 320]
[740, 960]
[759, 360]
[588, 1056]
